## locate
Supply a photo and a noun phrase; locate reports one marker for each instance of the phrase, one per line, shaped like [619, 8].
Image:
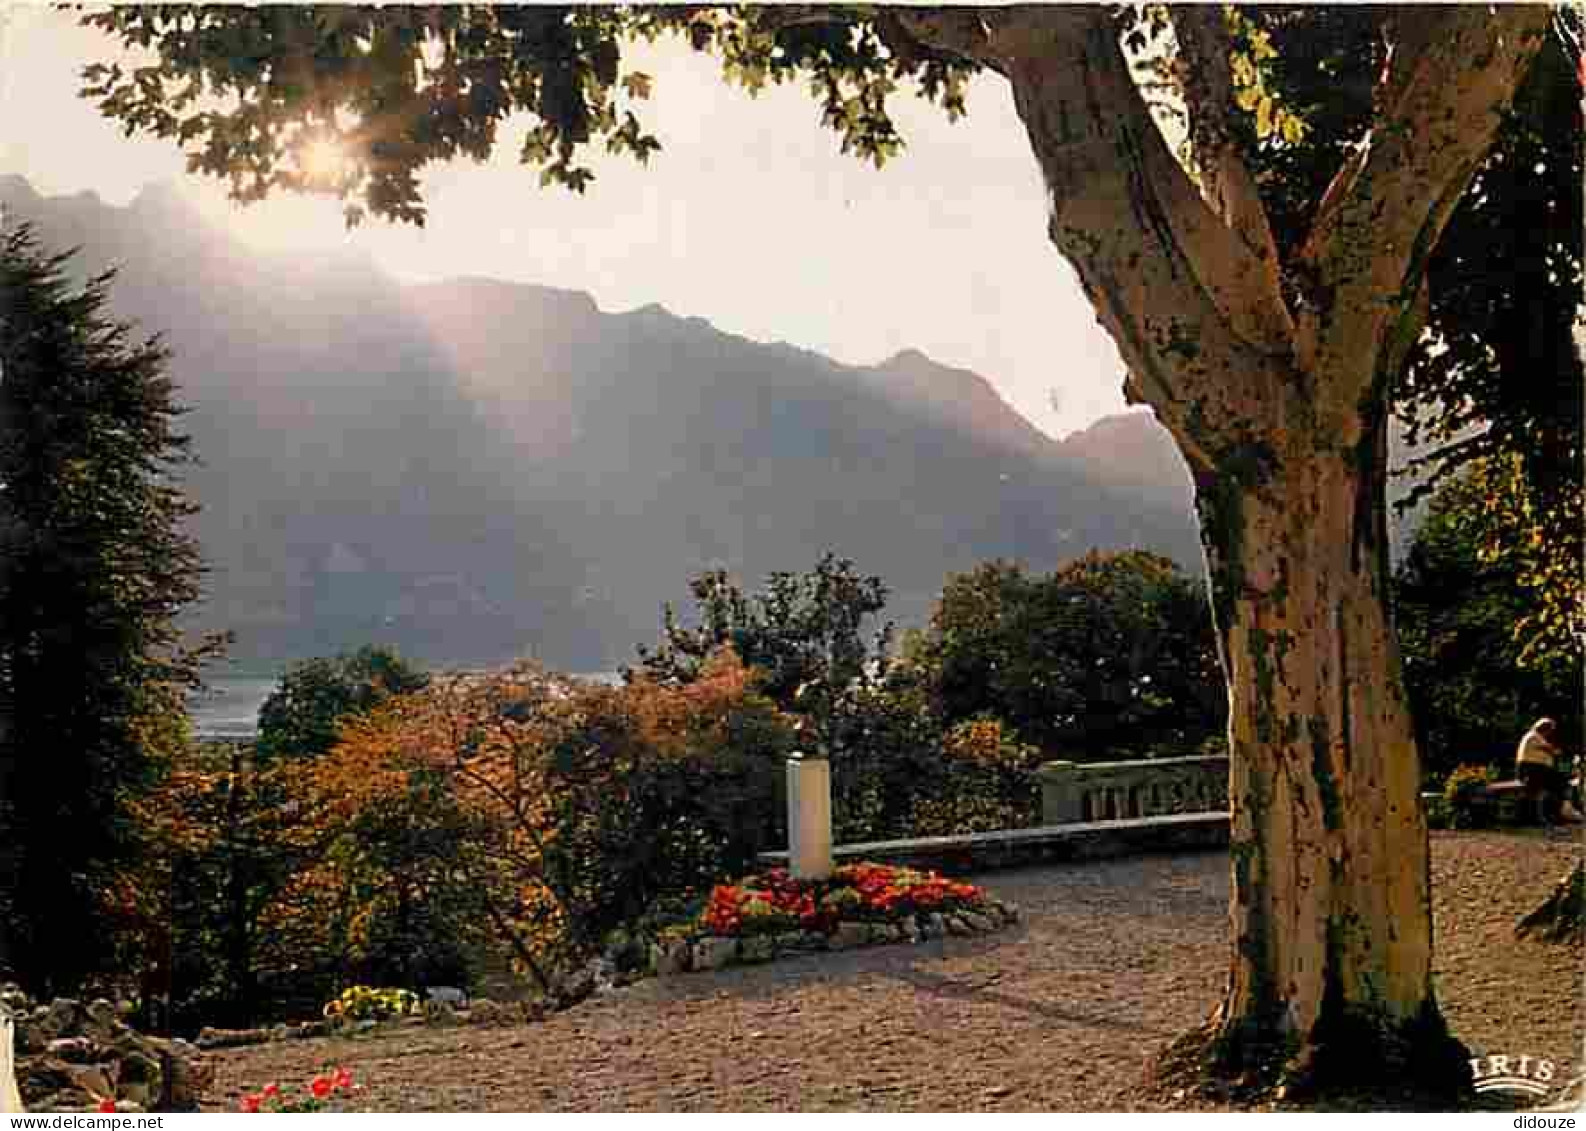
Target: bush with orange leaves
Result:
[585, 803]
[988, 782]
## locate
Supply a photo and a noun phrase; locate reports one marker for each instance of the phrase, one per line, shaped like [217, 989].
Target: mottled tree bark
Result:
[1331, 905]
[1277, 401]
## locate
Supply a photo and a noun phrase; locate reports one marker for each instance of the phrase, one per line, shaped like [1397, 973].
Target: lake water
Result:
[229, 706]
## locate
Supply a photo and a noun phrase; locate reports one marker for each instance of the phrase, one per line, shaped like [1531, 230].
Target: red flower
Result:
[250, 1103]
[320, 1087]
[270, 1091]
[107, 1104]
[343, 1078]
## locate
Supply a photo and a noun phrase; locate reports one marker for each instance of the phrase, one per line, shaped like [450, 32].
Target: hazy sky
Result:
[748, 217]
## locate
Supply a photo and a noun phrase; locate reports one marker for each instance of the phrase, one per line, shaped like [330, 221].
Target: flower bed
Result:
[771, 913]
[331, 1090]
[774, 902]
[754, 920]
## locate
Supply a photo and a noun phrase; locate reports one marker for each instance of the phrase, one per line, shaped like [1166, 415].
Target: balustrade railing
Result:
[1108, 791]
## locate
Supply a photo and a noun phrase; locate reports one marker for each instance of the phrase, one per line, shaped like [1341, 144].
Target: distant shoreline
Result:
[227, 710]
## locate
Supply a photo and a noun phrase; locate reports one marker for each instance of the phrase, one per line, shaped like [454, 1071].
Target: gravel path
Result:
[1063, 1012]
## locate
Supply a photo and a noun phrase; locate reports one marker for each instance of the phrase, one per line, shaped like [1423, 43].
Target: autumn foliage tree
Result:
[235, 918]
[583, 804]
[381, 893]
[1263, 307]
[478, 817]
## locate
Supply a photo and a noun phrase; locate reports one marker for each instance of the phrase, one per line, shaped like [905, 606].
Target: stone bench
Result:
[1510, 802]
[1073, 792]
[1504, 802]
[1084, 840]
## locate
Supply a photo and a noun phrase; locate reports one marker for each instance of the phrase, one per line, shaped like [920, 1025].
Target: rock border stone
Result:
[624, 962]
[479, 1011]
[71, 1056]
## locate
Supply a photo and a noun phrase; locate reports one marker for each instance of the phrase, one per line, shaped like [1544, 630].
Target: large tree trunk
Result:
[1270, 366]
[1277, 402]
[1331, 912]
[241, 984]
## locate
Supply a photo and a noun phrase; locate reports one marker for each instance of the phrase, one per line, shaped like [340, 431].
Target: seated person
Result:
[1543, 769]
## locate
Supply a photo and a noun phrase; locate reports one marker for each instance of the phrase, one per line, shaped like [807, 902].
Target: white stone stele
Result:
[809, 818]
[10, 1098]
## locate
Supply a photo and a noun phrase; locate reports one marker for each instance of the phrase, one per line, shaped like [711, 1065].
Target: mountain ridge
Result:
[482, 468]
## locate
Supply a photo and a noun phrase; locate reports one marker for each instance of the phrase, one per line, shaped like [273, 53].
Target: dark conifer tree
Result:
[94, 567]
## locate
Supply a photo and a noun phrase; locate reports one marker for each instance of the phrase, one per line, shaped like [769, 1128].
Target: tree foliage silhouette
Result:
[94, 567]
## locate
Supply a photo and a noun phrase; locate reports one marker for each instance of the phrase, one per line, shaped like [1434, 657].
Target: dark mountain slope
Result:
[475, 469]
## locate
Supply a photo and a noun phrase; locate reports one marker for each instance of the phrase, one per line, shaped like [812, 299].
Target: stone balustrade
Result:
[1088, 812]
[1077, 792]
[965, 854]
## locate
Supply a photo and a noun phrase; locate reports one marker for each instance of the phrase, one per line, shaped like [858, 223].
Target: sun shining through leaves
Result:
[324, 162]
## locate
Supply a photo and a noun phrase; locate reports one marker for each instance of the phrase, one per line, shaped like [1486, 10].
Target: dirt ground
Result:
[1062, 1012]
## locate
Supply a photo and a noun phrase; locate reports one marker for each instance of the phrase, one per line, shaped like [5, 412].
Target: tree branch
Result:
[958, 31]
[1194, 311]
[1226, 183]
[1449, 80]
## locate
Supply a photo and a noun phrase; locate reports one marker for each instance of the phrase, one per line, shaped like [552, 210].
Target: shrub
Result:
[364, 1003]
[1463, 793]
[901, 773]
[887, 754]
[584, 804]
[988, 782]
